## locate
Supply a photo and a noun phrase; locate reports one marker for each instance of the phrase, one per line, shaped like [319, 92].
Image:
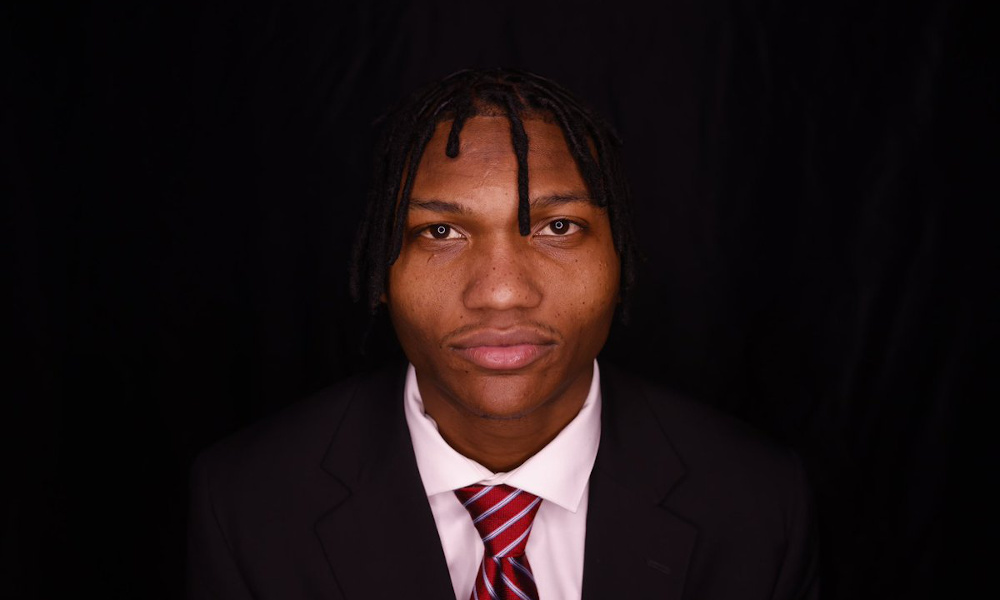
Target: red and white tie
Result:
[503, 517]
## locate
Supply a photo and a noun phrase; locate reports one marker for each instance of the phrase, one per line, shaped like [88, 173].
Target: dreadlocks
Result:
[519, 96]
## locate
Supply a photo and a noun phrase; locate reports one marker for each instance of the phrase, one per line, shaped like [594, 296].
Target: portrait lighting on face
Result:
[497, 235]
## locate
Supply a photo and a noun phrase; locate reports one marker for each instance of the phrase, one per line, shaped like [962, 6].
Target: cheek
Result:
[424, 289]
[587, 303]
[420, 300]
[592, 283]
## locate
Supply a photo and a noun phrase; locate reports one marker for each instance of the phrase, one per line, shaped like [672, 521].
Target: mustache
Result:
[471, 329]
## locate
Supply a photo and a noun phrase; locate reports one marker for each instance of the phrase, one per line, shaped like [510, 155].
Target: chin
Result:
[502, 396]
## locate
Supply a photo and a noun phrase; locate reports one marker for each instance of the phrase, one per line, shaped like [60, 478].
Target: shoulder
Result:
[687, 421]
[723, 458]
[742, 498]
[746, 496]
[289, 446]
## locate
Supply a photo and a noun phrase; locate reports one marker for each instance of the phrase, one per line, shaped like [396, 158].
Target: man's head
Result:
[497, 233]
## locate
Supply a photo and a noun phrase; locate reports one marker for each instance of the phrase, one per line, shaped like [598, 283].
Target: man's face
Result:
[496, 324]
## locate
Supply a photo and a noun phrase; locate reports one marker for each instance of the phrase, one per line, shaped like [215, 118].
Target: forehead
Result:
[486, 161]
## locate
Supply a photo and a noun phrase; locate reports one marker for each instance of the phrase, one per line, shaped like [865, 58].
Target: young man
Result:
[501, 462]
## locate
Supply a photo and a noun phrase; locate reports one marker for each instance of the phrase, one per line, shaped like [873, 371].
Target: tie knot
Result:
[502, 515]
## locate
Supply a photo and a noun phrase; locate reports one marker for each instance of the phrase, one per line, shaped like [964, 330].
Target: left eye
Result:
[560, 227]
[440, 231]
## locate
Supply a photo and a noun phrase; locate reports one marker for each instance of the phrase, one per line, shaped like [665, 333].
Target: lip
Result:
[503, 350]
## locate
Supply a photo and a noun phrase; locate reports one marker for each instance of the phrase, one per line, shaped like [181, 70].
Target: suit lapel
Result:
[379, 536]
[635, 548]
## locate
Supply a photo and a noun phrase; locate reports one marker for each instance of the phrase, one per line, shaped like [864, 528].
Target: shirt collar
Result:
[558, 473]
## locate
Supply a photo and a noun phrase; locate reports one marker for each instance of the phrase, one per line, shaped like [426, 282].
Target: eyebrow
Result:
[454, 208]
[438, 206]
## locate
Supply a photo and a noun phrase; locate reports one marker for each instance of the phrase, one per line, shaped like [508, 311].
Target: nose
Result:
[502, 275]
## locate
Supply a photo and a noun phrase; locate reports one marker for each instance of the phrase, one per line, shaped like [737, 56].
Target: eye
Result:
[440, 231]
[559, 227]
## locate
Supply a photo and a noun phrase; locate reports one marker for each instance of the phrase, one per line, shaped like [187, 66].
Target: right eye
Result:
[440, 231]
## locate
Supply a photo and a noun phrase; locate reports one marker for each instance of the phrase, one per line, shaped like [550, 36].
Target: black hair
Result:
[519, 95]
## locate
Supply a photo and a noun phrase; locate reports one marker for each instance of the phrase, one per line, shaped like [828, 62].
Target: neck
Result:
[502, 444]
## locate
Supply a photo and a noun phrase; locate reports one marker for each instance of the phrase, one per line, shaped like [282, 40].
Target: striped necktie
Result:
[503, 516]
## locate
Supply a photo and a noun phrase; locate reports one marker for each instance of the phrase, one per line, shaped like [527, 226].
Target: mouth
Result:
[503, 350]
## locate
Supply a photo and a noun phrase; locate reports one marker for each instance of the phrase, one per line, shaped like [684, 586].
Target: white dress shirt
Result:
[559, 474]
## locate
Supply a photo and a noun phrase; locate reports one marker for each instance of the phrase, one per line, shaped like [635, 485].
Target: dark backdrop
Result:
[816, 199]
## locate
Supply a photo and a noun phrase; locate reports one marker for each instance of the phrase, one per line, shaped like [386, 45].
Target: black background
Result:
[815, 185]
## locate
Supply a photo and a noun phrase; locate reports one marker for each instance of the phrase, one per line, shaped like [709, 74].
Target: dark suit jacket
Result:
[324, 500]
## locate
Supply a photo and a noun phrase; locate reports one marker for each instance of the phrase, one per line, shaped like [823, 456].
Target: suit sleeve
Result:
[799, 576]
[212, 571]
